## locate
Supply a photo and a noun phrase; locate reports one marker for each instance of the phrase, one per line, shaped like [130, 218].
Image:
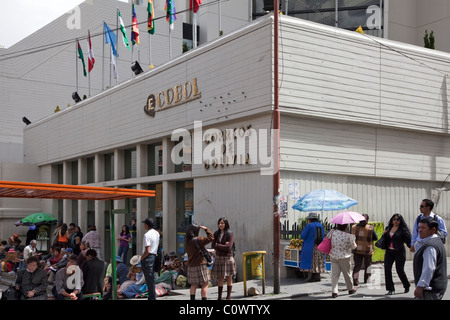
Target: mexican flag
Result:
[81, 56]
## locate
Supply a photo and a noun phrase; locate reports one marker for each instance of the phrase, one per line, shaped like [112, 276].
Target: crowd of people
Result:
[75, 269]
[356, 244]
[74, 265]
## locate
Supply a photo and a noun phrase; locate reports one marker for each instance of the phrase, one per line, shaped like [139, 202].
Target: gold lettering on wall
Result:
[172, 97]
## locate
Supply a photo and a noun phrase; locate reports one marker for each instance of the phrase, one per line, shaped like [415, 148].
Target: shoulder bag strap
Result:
[196, 244]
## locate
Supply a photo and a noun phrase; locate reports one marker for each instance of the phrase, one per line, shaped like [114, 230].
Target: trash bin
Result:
[254, 267]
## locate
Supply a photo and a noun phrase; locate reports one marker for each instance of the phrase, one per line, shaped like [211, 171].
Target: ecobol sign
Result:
[172, 97]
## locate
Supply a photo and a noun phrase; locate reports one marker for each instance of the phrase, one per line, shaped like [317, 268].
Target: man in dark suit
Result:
[93, 270]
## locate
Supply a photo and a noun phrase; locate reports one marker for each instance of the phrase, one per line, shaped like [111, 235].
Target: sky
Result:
[20, 18]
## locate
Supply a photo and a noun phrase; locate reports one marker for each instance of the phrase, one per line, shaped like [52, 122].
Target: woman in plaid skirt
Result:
[198, 272]
[224, 265]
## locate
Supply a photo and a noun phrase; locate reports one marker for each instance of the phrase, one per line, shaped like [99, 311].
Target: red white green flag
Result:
[81, 56]
[91, 58]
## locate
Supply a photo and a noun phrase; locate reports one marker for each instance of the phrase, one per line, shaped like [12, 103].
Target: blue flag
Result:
[110, 37]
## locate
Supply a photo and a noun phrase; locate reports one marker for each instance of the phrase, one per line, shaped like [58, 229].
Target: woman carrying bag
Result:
[198, 272]
[342, 244]
[312, 261]
[395, 236]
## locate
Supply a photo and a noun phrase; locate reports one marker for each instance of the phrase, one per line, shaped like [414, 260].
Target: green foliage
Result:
[429, 40]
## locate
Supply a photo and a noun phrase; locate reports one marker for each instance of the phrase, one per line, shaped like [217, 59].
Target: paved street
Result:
[367, 293]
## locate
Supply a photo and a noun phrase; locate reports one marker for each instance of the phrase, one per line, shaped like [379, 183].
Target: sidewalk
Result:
[295, 287]
[289, 287]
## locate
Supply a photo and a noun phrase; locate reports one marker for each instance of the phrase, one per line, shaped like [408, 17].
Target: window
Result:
[130, 163]
[345, 14]
[155, 161]
[74, 165]
[90, 163]
[109, 166]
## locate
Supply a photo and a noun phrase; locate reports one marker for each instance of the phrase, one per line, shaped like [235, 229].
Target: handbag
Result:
[205, 253]
[381, 243]
[325, 245]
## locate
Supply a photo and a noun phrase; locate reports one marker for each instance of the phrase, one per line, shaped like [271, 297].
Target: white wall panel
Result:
[116, 118]
[343, 75]
[379, 198]
[246, 200]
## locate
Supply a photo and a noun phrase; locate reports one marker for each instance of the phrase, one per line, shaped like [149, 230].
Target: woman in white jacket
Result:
[342, 244]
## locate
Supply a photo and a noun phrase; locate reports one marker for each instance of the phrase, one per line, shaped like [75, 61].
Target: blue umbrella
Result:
[325, 200]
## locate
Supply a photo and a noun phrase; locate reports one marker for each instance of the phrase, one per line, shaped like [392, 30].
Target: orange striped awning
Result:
[18, 189]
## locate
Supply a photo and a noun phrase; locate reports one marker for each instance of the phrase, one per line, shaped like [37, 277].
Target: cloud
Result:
[27, 16]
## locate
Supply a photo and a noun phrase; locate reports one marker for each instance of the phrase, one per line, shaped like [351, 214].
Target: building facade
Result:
[360, 114]
[365, 117]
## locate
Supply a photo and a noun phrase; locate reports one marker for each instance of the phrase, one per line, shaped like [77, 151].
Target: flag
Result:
[151, 17]
[171, 13]
[81, 56]
[194, 5]
[134, 28]
[360, 30]
[124, 32]
[91, 58]
[110, 37]
[114, 63]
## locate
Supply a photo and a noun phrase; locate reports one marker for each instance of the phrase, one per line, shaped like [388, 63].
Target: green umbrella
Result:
[37, 219]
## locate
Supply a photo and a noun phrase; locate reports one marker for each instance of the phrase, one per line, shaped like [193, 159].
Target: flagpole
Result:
[89, 72]
[76, 65]
[110, 60]
[194, 32]
[103, 58]
[150, 51]
[220, 17]
[117, 34]
[170, 43]
[132, 44]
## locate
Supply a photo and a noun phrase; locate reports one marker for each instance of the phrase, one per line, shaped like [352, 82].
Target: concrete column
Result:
[141, 160]
[141, 215]
[82, 204]
[67, 204]
[168, 166]
[119, 173]
[119, 160]
[99, 168]
[99, 176]
[169, 216]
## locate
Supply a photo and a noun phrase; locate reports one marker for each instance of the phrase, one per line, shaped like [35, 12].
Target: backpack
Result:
[440, 233]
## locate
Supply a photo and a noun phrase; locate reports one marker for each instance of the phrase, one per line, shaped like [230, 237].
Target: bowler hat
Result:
[313, 215]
